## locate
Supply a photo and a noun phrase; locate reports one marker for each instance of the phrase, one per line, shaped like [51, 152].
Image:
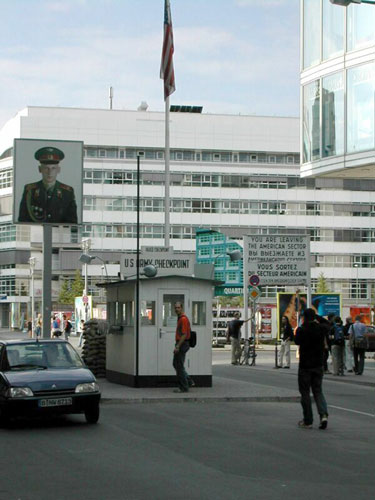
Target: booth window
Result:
[147, 312]
[128, 313]
[169, 314]
[199, 313]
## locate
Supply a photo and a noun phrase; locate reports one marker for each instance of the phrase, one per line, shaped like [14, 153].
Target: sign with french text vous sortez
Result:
[278, 259]
[166, 261]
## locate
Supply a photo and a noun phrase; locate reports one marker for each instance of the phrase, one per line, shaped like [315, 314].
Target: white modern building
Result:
[338, 91]
[234, 174]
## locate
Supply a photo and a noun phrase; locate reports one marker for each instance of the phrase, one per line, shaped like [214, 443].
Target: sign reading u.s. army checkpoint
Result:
[278, 259]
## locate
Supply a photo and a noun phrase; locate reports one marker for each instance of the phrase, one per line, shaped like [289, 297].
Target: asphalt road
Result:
[198, 451]
[350, 393]
[188, 451]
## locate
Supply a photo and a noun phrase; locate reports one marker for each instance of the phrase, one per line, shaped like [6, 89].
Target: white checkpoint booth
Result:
[145, 360]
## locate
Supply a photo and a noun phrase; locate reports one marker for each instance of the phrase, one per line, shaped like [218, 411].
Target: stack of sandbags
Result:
[94, 348]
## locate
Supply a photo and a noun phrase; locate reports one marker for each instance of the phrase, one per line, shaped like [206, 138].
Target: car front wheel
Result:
[92, 415]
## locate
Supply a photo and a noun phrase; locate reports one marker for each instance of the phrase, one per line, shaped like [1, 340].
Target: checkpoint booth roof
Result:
[142, 356]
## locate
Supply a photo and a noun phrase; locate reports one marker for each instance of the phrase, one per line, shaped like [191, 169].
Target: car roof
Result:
[31, 341]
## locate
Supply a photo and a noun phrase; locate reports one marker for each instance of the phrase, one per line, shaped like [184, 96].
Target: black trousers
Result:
[311, 379]
[359, 360]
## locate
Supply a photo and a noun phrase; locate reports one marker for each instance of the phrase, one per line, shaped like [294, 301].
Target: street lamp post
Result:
[32, 261]
[85, 246]
[357, 283]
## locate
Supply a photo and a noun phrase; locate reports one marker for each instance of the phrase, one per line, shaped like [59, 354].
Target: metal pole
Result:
[85, 245]
[47, 278]
[32, 266]
[357, 286]
[167, 176]
[137, 280]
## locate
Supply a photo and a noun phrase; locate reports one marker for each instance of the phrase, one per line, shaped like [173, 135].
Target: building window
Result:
[148, 316]
[360, 26]
[333, 31]
[311, 33]
[311, 121]
[360, 108]
[199, 313]
[333, 115]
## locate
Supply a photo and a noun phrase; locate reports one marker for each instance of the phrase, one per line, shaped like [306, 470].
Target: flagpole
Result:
[167, 177]
[167, 74]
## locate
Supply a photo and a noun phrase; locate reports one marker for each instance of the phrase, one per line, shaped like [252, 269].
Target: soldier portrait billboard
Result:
[47, 182]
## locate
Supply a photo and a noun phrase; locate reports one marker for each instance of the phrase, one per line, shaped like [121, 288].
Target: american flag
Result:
[166, 68]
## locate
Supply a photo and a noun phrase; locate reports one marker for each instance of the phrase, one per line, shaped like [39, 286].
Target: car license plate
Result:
[44, 403]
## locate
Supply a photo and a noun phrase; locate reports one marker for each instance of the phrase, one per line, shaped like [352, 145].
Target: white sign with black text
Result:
[166, 262]
[278, 259]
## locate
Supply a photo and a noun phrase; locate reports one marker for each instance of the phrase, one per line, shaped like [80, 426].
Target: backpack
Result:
[68, 326]
[338, 335]
[193, 338]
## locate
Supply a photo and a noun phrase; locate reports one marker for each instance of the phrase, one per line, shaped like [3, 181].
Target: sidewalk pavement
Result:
[224, 387]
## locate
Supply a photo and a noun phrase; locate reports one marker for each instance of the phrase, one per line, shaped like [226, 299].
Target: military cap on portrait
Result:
[49, 155]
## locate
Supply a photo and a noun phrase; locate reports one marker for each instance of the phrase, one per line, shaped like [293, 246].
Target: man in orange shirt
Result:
[181, 348]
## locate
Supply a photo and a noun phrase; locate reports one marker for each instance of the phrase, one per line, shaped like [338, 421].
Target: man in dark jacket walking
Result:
[311, 337]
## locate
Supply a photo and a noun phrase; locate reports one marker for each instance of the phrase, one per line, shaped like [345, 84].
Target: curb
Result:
[224, 399]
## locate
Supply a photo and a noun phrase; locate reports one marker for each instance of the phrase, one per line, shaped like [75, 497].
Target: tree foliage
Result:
[71, 289]
[322, 285]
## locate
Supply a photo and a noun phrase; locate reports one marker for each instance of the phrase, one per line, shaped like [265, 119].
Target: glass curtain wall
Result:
[333, 30]
[333, 115]
[311, 121]
[326, 103]
[311, 33]
[360, 108]
[360, 26]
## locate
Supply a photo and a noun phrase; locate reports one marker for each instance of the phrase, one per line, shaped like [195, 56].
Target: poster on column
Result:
[292, 306]
[363, 312]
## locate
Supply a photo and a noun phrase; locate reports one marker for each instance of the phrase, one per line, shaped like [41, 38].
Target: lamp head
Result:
[86, 258]
[344, 3]
[150, 271]
[235, 255]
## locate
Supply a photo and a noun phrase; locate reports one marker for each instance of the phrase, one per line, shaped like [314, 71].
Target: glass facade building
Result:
[338, 89]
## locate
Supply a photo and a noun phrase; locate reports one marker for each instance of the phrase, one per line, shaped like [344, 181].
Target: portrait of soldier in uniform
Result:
[48, 200]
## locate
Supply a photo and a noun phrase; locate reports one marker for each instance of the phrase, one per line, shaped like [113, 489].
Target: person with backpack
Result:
[67, 327]
[181, 348]
[356, 332]
[337, 346]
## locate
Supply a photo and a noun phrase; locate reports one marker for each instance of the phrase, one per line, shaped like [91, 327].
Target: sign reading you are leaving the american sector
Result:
[278, 259]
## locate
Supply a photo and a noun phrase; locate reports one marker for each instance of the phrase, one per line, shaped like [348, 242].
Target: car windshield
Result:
[41, 355]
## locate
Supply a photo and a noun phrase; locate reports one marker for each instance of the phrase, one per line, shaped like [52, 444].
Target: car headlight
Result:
[88, 387]
[19, 392]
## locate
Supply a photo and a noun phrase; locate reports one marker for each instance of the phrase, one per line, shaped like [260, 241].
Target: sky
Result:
[231, 56]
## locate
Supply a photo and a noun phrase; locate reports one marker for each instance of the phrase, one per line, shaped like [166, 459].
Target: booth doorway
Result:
[167, 321]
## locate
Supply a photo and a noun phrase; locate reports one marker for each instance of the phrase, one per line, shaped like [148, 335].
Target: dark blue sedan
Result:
[42, 377]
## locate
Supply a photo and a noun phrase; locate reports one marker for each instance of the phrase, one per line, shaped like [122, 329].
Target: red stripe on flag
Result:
[166, 68]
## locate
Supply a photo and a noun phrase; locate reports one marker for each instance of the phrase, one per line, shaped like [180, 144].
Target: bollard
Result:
[276, 362]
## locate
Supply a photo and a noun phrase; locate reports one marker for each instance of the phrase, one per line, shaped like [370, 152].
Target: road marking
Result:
[352, 411]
